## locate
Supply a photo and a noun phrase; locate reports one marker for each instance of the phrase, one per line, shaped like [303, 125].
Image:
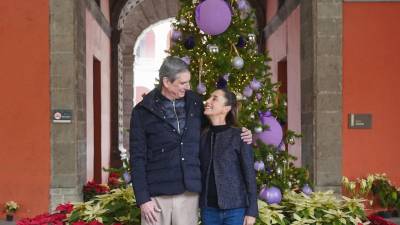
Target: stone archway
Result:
[135, 17]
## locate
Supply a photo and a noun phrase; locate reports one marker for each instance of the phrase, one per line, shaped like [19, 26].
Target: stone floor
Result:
[3, 222]
[395, 220]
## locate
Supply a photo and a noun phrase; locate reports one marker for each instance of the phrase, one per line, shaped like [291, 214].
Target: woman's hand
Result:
[247, 137]
[249, 220]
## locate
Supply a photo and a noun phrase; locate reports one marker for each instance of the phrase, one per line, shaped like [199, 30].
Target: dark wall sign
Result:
[62, 116]
[360, 121]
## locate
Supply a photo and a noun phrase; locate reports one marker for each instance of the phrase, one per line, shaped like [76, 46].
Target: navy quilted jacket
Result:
[163, 161]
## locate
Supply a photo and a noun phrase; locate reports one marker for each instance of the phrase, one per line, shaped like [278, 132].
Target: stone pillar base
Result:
[64, 195]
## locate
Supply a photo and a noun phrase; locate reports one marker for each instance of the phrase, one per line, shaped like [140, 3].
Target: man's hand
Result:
[247, 137]
[249, 220]
[149, 211]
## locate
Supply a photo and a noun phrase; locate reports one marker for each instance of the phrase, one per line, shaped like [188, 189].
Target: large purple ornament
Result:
[273, 135]
[213, 16]
[306, 189]
[271, 195]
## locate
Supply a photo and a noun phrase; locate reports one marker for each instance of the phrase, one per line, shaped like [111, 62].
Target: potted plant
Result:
[10, 207]
[387, 195]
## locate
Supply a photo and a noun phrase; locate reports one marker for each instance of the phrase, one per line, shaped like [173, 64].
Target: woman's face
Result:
[215, 105]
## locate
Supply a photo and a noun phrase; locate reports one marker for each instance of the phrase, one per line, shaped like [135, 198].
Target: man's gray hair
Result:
[170, 68]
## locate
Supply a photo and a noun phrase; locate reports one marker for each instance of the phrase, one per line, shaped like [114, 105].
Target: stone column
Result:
[68, 91]
[321, 91]
[127, 79]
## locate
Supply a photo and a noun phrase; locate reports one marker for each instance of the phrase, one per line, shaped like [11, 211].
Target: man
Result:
[164, 148]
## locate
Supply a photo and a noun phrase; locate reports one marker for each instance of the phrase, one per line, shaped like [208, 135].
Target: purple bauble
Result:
[266, 113]
[241, 42]
[221, 83]
[127, 177]
[242, 5]
[273, 135]
[226, 76]
[271, 195]
[282, 146]
[201, 88]
[263, 194]
[307, 190]
[176, 35]
[189, 43]
[259, 165]
[255, 84]
[258, 96]
[186, 59]
[248, 92]
[268, 169]
[213, 16]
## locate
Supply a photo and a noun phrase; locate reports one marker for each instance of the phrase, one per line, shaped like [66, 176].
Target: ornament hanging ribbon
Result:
[201, 88]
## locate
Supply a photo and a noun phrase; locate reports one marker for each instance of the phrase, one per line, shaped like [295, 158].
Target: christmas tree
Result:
[217, 39]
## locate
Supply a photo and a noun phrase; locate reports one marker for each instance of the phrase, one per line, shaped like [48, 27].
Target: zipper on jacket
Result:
[209, 166]
[176, 115]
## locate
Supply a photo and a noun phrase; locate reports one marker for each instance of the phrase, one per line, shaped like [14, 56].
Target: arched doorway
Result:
[134, 17]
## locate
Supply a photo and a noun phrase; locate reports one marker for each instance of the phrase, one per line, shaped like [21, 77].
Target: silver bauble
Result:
[238, 62]
[252, 38]
[212, 48]
[183, 21]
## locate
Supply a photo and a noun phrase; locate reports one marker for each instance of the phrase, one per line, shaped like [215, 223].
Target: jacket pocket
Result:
[161, 153]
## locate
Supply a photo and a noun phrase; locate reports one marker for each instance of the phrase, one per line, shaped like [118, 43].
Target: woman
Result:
[229, 185]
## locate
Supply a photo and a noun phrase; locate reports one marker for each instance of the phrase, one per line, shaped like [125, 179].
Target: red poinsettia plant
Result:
[57, 218]
[91, 189]
[377, 220]
[114, 180]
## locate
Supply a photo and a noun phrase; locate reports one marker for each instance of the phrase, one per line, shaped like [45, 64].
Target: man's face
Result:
[177, 88]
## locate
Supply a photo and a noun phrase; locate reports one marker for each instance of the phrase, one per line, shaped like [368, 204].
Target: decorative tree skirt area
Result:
[118, 207]
[114, 204]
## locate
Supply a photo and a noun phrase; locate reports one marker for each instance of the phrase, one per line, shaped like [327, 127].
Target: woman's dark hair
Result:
[232, 116]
